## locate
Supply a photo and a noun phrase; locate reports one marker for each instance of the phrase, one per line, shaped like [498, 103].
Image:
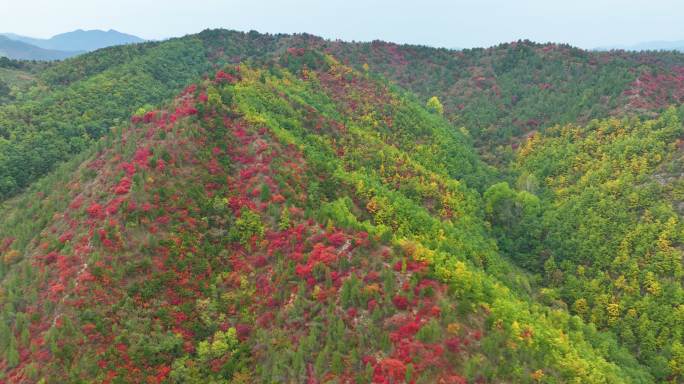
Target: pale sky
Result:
[457, 23]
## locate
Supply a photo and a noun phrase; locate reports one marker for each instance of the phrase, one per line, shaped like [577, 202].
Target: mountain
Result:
[79, 40]
[23, 39]
[275, 224]
[246, 207]
[22, 51]
[650, 46]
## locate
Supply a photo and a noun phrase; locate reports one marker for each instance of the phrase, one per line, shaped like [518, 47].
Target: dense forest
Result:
[235, 207]
[499, 95]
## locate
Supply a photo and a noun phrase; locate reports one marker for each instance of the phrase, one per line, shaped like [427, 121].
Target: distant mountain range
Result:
[649, 46]
[15, 49]
[61, 46]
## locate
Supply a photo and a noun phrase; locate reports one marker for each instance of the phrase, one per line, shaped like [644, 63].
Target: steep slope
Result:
[51, 123]
[278, 223]
[504, 92]
[610, 239]
[77, 101]
[18, 50]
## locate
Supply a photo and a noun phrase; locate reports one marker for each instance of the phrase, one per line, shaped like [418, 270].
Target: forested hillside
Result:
[498, 94]
[611, 235]
[235, 207]
[253, 227]
[503, 93]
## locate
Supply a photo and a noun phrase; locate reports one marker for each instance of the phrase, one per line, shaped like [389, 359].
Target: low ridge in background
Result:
[61, 46]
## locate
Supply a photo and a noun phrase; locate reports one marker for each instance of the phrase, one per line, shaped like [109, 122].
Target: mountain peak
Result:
[70, 43]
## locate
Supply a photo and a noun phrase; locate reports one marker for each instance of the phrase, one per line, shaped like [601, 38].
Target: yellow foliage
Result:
[435, 106]
[581, 306]
[652, 285]
[613, 310]
[621, 283]
[11, 256]
[453, 328]
[537, 375]
[316, 291]
[417, 251]
[371, 289]
[372, 206]
[632, 313]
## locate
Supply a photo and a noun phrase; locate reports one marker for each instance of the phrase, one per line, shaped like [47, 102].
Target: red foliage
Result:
[453, 344]
[652, 91]
[190, 89]
[389, 371]
[265, 319]
[121, 347]
[406, 331]
[323, 254]
[223, 77]
[149, 116]
[243, 331]
[113, 206]
[94, 210]
[6, 243]
[400, 302]
[66, 237]
[165, 219]
[303, 271]
[161, 165]
[296, 51]
[51, 257]
[123, 187]
[76, 203]
[57, 288]
[336, 239]
[162, 373]
[372, 304]
[142, 156]
[477, 334]
[128, 168]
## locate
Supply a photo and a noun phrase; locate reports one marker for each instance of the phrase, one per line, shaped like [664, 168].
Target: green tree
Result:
[11, 353]
[4, 90]
[516, 221]
[247, 226]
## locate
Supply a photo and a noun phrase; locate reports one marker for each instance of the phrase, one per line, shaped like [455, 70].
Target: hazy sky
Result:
[457, 23]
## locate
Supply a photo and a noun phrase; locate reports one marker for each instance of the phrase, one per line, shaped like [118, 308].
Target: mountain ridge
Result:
[80, 40]
[63, 45]
[23, 51]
